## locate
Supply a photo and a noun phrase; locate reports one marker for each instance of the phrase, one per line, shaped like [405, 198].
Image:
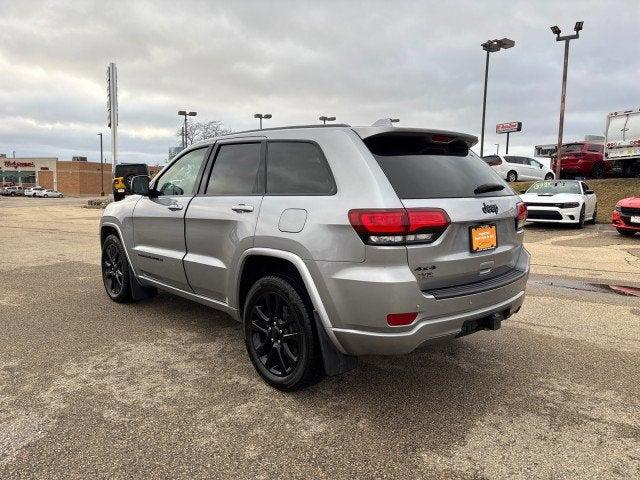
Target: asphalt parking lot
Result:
[164, 388]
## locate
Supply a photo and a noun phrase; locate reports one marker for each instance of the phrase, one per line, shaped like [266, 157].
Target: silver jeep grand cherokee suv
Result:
[326, 242]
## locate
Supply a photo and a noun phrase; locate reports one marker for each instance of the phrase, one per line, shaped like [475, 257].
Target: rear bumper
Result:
[361, 342]
[363, 308]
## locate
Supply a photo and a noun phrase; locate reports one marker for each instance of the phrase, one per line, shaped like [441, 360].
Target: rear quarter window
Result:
[297, 168]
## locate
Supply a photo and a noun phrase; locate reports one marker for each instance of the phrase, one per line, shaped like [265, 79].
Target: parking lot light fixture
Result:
[566, 39]
[490, 46]
[185, 114]
[324, 119]
[261, 116]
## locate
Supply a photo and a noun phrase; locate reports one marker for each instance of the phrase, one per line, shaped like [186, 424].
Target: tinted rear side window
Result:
[453, 173]
[297, 168]
[237, 170]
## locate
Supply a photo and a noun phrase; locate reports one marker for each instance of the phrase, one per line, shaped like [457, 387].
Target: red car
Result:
[583, 159]
[626, 216]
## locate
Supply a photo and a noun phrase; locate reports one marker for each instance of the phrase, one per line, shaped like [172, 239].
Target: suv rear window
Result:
[422, 169]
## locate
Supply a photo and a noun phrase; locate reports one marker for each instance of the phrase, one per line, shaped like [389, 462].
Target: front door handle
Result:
[175, 206]
[242, 208]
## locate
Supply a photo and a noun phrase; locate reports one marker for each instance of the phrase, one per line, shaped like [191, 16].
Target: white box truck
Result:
[622, 142]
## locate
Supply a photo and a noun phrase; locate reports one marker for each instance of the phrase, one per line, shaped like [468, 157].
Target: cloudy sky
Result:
[360, 61]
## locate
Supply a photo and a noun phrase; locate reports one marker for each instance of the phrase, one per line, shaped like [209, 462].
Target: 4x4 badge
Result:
[490, 208]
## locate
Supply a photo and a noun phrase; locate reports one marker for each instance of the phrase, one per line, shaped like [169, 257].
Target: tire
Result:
[115, 270]
[597, 171]
[626, 233]
[512, 176]
[280, 334]
[580, 223]
[46, 196]
[595, 214]
[548, 176]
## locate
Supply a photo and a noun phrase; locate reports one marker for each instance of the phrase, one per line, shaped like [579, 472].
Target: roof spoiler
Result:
[440, 136]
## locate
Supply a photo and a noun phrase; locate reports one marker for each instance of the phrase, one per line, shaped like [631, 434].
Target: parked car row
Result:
[16, 191]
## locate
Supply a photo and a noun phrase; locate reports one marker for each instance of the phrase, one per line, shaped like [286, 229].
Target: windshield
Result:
[572, 147]
[553, 187]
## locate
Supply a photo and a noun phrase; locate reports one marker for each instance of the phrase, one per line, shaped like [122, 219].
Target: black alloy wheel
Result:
[512, 176]
[279, 335]
[115, 270]
[549, 176]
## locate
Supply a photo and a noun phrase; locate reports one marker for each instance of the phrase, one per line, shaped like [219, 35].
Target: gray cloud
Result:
[420, 61]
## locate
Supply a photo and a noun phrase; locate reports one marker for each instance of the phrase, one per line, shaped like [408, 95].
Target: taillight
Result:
[399, 226]
[521, 215]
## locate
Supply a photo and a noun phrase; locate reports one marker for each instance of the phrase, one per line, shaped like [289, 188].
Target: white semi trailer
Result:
[622, 142]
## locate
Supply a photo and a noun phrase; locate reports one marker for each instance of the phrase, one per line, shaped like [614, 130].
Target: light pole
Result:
[185, 114]
[324, 119]
[266, 116]
[497, 148]
[101, 168]
[490, 46]
[566, 39]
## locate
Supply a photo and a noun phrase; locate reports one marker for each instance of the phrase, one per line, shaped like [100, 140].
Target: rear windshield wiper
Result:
[488, 187]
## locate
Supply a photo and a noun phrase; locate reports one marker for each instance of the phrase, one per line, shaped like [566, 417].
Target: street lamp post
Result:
[490, 46]
[324, 119]
[101, 168]
[185, 114]
[266, 116]
[566, 39]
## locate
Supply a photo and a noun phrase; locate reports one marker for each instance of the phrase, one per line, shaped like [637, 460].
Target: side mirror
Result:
[541, 165]
[140, 185]
[589, 192]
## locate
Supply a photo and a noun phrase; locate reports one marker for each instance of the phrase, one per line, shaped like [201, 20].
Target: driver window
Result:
[180, 178]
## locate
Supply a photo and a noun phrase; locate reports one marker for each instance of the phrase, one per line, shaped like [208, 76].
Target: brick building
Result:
[73, 178]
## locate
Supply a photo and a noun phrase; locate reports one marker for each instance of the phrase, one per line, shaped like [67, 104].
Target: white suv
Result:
[513, 168]
[33, 191]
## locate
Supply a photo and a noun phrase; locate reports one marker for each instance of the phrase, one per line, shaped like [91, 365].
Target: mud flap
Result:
[138, 291]
[335, 362]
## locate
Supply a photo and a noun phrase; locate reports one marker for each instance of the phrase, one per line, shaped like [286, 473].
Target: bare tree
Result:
[199, 131]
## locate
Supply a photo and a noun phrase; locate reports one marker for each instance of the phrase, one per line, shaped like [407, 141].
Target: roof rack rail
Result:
[289, 127]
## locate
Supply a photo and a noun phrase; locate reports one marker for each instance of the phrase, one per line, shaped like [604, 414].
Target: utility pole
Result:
[112, 107]
[101, 167]
[490, 46]
[566, 39]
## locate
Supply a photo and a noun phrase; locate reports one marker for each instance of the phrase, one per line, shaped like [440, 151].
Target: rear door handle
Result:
[175, 206]
[242, 208]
